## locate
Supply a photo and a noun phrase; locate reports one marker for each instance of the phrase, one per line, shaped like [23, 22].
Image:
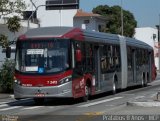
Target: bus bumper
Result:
[61, 91]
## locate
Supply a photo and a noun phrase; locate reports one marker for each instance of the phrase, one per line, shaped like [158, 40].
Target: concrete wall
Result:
[52, 17]
[55, 17]
[145, 34]
[92, 25]
[63, 17]
[79, 22]
[100, 22]
[12, 37]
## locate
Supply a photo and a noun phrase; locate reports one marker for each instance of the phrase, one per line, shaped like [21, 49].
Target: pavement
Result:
[144, 101]
[150, 101]
[4, 96]
[147, 101]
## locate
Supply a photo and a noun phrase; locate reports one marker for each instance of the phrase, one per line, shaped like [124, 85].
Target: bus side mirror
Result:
[8, 52]
[78, 55]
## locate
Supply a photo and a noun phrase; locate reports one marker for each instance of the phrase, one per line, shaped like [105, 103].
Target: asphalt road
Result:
[100, 107]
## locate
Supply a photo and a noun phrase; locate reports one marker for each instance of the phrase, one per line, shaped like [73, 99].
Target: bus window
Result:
[110, 58]
[43, 56]
[79, 66]
[88, 52]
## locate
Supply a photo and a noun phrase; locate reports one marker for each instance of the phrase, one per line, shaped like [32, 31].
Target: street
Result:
[99, 107]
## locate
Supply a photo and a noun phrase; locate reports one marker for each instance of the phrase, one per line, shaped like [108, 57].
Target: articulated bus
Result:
[64, 62]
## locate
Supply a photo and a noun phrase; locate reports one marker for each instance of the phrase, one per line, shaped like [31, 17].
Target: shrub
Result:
[6, 76]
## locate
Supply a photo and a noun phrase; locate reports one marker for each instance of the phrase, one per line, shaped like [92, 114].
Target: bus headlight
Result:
[17, 82]
[65, 80]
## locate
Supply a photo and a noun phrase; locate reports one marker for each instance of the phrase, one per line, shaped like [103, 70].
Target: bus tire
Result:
[39, 101]
[147, 79]
[87, 93]
[114, 86]
[18, 98]
[143, 80]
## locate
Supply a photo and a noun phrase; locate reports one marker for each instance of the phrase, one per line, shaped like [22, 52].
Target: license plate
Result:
[40, 94]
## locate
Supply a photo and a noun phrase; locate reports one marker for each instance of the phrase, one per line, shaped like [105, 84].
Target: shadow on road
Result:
[47, 102]
[65, 101]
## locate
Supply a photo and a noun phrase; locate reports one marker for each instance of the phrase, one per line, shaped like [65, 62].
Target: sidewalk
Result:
[4, 96]
[147, 101]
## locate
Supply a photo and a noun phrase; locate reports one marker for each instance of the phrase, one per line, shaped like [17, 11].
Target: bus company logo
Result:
[27, 85]
[81, 83]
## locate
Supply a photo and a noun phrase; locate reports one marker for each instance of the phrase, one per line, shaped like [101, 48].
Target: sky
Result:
[146, 12]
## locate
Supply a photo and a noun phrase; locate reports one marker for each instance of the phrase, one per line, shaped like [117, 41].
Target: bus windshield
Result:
[42, 56]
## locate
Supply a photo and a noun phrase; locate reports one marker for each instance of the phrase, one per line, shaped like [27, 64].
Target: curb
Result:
[4, 96]
[144, 104]
[11, 96]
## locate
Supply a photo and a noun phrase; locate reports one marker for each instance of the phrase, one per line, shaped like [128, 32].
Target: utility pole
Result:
[122, 17]
[158, 29]
[159, 42]
[33, 14]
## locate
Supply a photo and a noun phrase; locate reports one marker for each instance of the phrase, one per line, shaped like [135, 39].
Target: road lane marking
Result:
[3, 105]
[89, 116]
[30, 108]
[99, 102]
[139, 97]
[10, 108]
[93, 113]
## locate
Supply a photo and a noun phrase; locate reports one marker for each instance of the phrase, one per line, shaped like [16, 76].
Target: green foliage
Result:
[8, 7]
[4, 41]
[14, 24]
[7, 71]
[11, 6]
[6, 75]
[113, 23]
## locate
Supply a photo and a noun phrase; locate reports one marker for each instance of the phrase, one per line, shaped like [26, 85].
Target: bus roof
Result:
[83, 35]
[47, 32]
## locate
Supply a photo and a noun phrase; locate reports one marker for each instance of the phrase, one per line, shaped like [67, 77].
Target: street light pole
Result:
[159, 42]
[122, 17]
[33, 14]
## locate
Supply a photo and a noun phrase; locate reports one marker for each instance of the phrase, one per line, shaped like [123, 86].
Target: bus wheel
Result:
[114, 86]
[18, 98]
[146, 82]
[87, 93]
[143, 81]
[39, 101]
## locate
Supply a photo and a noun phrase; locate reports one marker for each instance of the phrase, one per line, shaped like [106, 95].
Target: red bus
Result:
[61, 62]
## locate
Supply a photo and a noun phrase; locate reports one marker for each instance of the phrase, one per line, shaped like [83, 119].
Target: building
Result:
[12, 36]
[149, 35]
[59, 13]
[89, 21]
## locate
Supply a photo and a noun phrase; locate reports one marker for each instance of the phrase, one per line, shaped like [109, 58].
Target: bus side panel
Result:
[78, 87]
[110, 67]
[123, 62]
[154, 68]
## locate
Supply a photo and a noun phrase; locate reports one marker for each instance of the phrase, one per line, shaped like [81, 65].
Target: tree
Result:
[12, 6]
[113, 23]
[6, 75]
[4, 41]
[9, 8]
[14, 24]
